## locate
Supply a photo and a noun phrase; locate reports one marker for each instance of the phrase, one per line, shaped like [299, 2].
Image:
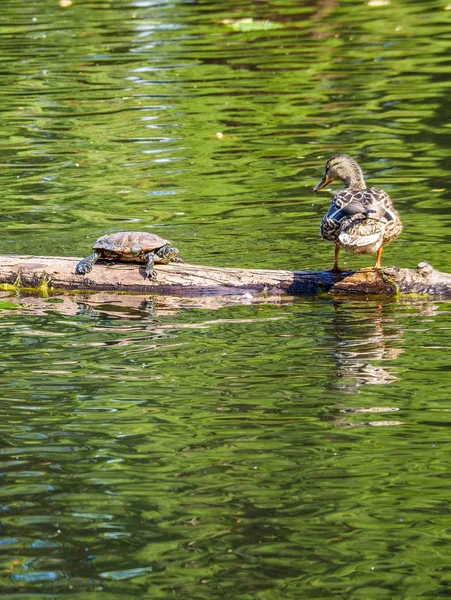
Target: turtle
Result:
[133, 246]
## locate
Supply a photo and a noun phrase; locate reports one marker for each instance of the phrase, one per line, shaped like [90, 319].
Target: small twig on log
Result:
[57, 273]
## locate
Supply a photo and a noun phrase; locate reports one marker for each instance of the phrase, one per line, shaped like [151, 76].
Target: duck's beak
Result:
[324, 181]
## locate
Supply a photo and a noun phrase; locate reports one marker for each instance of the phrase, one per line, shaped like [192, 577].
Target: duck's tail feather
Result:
[361, 236]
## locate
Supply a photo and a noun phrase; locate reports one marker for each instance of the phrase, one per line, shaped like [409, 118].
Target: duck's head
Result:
[342, 166]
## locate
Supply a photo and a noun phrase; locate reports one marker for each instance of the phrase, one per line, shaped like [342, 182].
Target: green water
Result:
[248, 450]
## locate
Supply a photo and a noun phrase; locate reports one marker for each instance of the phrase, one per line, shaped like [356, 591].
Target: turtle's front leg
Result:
[150, 271]
[86, 264]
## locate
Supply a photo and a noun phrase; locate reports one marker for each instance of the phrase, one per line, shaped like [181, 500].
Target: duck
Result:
[360, 220]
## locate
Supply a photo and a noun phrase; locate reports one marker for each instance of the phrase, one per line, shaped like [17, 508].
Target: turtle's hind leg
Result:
[86, 264]
[150, 271]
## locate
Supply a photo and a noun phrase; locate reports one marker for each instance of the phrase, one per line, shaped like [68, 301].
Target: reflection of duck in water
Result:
[361, 220]
[362, 337]
[342, 421]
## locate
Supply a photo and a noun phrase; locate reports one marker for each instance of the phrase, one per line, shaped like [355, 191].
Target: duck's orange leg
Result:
[378, 262]
[378, 259]
[336, 268]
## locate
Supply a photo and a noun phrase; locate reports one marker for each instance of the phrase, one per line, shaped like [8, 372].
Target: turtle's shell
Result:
[129, 243]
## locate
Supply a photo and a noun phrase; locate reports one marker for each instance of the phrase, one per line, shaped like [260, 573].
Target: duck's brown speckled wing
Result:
[367, 213]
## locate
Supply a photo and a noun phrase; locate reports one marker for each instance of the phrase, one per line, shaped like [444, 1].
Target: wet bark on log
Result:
[192, 280]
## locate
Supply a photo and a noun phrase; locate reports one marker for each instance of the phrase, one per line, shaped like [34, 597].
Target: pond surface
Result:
[249, 449]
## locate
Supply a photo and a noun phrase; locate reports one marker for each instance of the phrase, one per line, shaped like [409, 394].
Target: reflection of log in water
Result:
[361, 338]
[191, 280]
[131, 306]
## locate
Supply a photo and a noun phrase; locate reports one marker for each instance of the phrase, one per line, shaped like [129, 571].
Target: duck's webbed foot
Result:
[337, 269]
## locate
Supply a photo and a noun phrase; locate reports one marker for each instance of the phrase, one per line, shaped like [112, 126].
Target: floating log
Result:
[54, 273]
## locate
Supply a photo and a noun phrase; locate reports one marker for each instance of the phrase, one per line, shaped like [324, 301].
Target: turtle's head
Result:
[345, 168]
[171, 252]
[167, 253]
